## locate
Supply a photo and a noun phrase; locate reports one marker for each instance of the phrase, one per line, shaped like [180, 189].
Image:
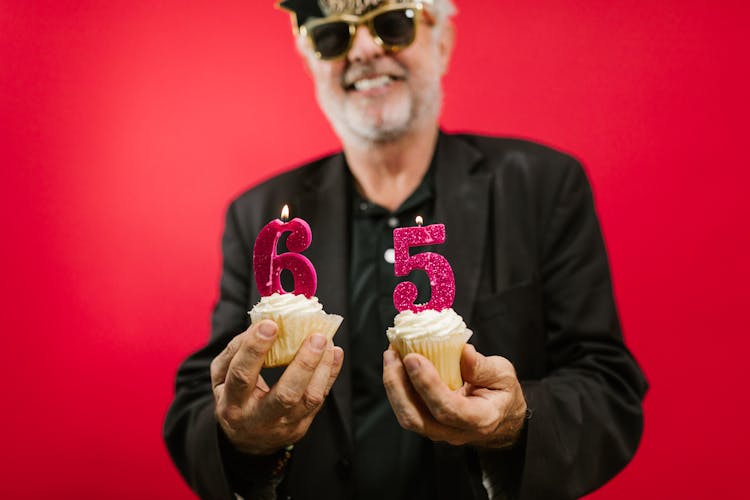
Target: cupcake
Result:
[439, 336]
[297, 317]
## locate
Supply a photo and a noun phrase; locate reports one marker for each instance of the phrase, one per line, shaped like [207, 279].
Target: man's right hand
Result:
[260, 420]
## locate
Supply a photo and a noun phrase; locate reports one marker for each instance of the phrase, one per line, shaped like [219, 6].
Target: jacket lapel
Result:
[324, 205]
[462, 202]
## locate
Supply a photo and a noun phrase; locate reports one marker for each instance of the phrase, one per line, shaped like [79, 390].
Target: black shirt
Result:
[389, 462]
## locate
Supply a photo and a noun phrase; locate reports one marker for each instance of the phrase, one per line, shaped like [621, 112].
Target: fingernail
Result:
[318, 342]
[338, 355]
[267, 330]
[388, 357]
[412, 365]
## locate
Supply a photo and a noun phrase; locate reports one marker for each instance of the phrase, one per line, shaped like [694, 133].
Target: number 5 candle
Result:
[442, 282]
[268, 265]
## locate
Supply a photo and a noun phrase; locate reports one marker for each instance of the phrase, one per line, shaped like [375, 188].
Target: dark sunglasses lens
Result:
[331, 39]
[395, 27]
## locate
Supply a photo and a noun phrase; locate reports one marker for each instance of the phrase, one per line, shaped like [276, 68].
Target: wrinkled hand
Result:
[488, 411]
[261, 420]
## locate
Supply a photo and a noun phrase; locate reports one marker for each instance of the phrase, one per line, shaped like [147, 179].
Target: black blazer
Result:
[532, 282]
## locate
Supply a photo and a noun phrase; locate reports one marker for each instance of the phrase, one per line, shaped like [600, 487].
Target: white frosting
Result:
[287, 303]
[408, 325]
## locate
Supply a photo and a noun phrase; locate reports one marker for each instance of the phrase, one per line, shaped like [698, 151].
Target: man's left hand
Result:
[488, 410]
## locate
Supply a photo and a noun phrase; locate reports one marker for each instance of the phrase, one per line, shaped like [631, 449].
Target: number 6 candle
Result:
[436, 266]
[268, 265]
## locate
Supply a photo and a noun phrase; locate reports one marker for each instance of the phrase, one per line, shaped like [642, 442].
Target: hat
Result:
[302, 10]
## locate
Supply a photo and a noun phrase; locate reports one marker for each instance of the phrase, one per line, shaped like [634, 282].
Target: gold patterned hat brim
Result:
[303, 10]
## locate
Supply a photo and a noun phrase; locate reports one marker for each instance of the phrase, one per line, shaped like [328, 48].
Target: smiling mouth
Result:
[371, 83]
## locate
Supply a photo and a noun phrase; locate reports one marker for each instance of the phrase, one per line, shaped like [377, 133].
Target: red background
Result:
[125, 128]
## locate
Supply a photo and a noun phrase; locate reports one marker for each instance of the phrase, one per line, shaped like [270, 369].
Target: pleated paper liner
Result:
[293, 330]
[443, 352]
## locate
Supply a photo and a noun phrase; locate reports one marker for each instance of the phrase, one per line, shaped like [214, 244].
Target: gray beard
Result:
[424, 110]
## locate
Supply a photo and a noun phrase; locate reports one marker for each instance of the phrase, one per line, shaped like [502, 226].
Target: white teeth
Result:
[372, 83]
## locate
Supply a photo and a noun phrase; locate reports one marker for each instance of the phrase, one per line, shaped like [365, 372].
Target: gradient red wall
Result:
[125, 128]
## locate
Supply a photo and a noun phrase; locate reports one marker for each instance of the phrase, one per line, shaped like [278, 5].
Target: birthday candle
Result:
[268, 265]
[442, 282]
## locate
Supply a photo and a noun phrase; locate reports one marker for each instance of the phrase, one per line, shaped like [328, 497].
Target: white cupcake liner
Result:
[293, 329]
[443, 352]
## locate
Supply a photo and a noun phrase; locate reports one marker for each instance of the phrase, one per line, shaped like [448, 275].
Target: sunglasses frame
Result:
[354, 22]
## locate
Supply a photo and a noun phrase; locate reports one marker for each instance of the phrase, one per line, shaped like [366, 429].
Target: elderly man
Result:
[551, 408]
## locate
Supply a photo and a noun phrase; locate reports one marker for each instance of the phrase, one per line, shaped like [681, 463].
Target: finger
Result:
[492, 372]
[469, 360]
[401, 395]
[220, 364]
[262, 385]
[491, 382]
[443, 403]
[338, 362]
[410, 410]
[494, 378]
[243, 371]
[315, 394]
[288, 392]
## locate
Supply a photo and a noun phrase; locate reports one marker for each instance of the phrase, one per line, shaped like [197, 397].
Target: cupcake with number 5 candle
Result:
[439, 336]
[299, 314]
[433, 330]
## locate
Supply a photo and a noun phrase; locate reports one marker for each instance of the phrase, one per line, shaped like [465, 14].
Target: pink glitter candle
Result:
[268, 265]
[439, 271]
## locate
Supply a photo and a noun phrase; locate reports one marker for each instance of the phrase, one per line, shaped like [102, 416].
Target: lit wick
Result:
[285, 213]
[419, 220]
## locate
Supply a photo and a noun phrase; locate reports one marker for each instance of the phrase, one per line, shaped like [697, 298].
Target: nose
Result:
[364, 47]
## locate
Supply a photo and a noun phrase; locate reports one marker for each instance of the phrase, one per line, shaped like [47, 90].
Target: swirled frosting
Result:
[287, 303]
[408, 325]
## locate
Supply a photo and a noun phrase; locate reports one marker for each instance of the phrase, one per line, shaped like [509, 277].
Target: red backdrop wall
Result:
[125, 128]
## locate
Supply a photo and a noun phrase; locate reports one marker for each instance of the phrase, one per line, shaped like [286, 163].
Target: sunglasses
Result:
[392, 26]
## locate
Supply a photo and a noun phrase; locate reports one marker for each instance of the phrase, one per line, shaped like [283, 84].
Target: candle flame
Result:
[285, 213]
[419, 220]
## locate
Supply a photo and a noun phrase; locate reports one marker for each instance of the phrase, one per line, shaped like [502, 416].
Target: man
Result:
[551, 408]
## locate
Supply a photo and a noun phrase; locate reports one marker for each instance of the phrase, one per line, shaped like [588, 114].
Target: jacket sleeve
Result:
[586, 418]
[202, 454]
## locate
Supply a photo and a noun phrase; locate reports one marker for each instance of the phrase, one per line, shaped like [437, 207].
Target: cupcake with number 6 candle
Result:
[299, 314]
[433, 330]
